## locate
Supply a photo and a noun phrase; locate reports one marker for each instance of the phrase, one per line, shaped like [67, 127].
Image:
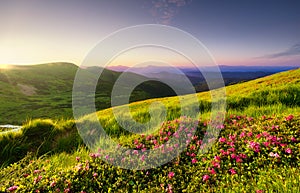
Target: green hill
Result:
[45, 91]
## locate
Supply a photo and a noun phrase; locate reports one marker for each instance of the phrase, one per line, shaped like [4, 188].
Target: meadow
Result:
[257, 150]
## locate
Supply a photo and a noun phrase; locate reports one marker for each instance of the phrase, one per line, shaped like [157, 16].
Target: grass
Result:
[59, 144]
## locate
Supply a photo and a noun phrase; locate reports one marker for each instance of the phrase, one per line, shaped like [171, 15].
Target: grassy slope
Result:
[52, 85]
[273, 95]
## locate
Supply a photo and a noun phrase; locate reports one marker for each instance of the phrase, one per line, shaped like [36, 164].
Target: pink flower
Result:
[233, 156]
[135, 152]
[169, 189]
[194, 160]
[205, 178]
[67, 190]
[36, 180]
[37, 171]
[258, 136]
[288, 150]
[192, 147]
[217, 158]
[290, 117]
[171, 175]
[293, 139]
[222, 140]
[242, 135]
[13, 188]
[52, 184]
[238, 160]
[249, 134]
[95, 175]
[212, 171]
[259, 191]
[215, 164]
[143, 158]
[232, 171]
[274, 155]
[77, 158]
[232, 137]
[266, 144]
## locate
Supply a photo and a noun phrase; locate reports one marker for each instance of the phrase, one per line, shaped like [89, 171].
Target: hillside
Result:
[275, 95]
[45, 91]
[272, 95]
[257, 149]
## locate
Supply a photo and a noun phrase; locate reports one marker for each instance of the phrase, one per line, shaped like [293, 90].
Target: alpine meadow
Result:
[160, 96]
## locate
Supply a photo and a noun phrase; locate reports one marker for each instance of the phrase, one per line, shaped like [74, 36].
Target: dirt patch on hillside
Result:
[27, 89]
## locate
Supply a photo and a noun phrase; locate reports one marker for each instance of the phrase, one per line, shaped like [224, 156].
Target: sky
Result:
[236, 32]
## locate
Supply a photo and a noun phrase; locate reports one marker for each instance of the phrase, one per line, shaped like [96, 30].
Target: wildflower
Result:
[205, 177]
[67, 190]
[238, 160]
[143, 158]
[233, 156]
[259, 191]
[232, 171]
[52, 184]
[169, 189]
[192, 147]
[36, 180]
[194, 160]
[217, 158]
[212, 171]
[95, 175]
[274, 155]
[222, 140]
[232, 137]
[215, 164]
[13, 188]
[135, 152]
[37, 171]
[288, 150]
[242, 135]
[249, 134]
[293, 139]
[193, 155]
[171, 175]
[78, 159]
[290, 117]
[266, 144]
[258, 136]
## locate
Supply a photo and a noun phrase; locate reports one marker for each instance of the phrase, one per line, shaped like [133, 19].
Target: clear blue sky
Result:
[237, 32]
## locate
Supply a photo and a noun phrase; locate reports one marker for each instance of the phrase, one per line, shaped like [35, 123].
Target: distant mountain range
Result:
[157, 69]
[230, 74]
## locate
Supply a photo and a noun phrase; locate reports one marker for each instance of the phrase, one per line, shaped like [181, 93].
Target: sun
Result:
[5, 66]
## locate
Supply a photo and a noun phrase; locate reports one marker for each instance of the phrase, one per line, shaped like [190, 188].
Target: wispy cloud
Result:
[165, 10]
[292, 51]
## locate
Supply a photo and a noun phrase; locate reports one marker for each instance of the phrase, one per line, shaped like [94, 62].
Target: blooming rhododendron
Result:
[205, 177]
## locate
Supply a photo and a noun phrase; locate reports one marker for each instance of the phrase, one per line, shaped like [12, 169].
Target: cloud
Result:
[165, 10]
[292, 51]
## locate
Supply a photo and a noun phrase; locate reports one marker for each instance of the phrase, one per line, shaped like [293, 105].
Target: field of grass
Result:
[258, 148]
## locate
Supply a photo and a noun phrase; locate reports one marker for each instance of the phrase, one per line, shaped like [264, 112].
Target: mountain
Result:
[231, 74]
